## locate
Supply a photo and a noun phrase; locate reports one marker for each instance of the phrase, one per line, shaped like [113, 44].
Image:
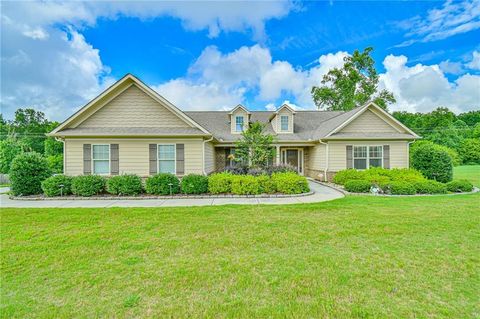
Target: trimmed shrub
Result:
[266, 184]
[27, 172]
[57, 185]
[459, 186]
[406, 175]
[194, 184]
[433, 161]
[220, 183]
[342, 177]
[400, 188]
[129, 185]
[290, 183]
[88, 185]
[358, 186]
[245, 185]
[430, 187]
[159, 184]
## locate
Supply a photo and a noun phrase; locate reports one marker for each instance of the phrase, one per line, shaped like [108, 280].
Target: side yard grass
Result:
[468, 172]
[357, 257]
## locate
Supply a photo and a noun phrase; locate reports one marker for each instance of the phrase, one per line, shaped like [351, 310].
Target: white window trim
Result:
[368, 155]
[243, 123]
[288, 123]
[109, 159]
[174, 156]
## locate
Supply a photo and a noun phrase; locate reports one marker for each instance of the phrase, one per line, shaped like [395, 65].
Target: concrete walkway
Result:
[321, 193]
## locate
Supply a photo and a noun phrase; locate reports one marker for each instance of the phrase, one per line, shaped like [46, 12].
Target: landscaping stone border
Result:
[141, 197]
[337, 188]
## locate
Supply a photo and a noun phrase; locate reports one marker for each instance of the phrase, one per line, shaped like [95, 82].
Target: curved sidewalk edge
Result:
[321, 193]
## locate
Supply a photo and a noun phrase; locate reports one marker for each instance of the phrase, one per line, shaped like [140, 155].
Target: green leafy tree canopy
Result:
[255, 146]
[352, 85]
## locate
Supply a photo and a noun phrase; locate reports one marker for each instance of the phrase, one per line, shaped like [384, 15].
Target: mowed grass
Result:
[357, 257]
[468, 172]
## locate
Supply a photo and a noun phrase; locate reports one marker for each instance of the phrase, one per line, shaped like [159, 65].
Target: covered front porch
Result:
[294, 155]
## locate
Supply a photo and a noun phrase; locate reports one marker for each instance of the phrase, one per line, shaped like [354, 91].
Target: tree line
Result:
[27, 133]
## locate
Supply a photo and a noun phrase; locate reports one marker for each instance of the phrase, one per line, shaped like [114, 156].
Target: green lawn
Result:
[357, 257]
[470, 172]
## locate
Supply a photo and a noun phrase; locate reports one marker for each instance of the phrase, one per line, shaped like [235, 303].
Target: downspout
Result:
[203, 155]
[326, 161]
[58, 139]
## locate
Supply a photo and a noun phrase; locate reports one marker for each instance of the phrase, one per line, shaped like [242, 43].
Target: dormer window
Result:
[284, 123]
[239, 123]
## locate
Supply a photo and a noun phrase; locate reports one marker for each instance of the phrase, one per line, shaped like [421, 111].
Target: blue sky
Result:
[212, 55]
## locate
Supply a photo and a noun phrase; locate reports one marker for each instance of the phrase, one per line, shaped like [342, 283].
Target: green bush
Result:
[245, 185]
[430, 187]
[27, 172]
[129, 185]
[459, 186]
[399, 188]
[432, 161]
[344, 176]
[194, 184]
[9, 149]
[409, 175]
[358, 186]
[55, 163]
[266, 184]
[470, 151]
[220, 183]
[88, 185]
[160, 184]
[57, 185]
[290, 183]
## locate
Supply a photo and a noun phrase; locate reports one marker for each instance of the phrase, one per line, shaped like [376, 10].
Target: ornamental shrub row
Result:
[166, 184]
[379, 175]
[286, 183]
[408, 188]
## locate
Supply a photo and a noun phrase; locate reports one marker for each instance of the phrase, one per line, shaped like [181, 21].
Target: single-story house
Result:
[131, 129]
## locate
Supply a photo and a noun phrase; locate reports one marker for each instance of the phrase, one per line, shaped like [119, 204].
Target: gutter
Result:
[326, 160]
[203, 154]
[408, 152]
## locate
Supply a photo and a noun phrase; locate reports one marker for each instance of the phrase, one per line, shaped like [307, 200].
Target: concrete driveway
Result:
[321, 193]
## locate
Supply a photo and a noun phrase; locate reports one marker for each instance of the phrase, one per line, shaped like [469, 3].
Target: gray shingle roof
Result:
[306, 124]
[134, 131]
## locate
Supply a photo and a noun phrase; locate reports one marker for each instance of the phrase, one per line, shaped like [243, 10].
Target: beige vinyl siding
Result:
[317, 157]
[133, 154]
[133, 108]
[277, 121]
[238, 112]
[369, 122]
[209, 157]
[338, 154]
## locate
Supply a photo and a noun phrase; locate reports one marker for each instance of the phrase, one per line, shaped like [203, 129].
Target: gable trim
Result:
[142, 86]
[240, 106]
[378, 108]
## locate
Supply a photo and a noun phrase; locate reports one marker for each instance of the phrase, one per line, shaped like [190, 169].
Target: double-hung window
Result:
[367, 156]
[284, 122]
[101, 159]
[166, 158]
[239, 123]
[375, 156]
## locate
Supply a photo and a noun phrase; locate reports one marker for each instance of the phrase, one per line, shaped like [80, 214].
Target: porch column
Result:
[277, 155]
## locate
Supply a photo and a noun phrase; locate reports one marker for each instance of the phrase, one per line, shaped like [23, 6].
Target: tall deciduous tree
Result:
[352, 85]
[255, 146]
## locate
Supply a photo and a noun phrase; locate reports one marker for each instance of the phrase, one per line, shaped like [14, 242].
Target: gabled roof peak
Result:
[285, 105]
[239, 106]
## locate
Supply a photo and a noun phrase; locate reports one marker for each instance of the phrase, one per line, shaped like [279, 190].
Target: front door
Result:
[293, 157]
